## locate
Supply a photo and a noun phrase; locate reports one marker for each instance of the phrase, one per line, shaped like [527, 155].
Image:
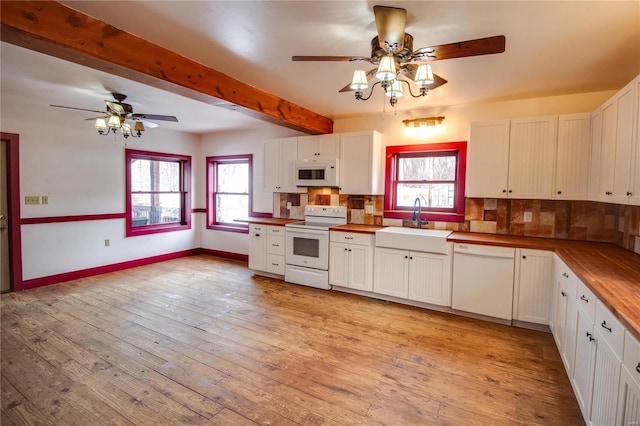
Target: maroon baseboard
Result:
[84, 273]
[224, 254]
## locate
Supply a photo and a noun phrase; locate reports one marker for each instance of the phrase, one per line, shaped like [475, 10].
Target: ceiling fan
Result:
[122, 111]
[393, 49]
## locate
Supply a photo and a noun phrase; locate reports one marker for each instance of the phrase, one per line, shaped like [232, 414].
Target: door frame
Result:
[13, 201]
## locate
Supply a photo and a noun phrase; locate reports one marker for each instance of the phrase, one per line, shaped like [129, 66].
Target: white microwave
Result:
[319, 173]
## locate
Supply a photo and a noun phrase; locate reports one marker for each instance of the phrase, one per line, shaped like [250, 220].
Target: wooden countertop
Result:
[611, 272]
[362, 229]
[273, 221]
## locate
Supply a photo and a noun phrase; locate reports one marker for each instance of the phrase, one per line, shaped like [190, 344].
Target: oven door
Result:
[307, 247]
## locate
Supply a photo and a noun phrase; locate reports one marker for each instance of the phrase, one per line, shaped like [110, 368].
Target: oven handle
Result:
[300, 231]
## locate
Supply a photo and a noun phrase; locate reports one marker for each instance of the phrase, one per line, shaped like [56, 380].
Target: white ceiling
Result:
[552, 48]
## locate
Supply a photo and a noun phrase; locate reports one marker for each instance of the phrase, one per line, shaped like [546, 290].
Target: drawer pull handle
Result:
[591, 339]
[584, 298]
[638, 367]
[257, 235]
[348, 238]
[275, 264]
[564, 274]
[275, 245]
[604, 325]
[563, 294]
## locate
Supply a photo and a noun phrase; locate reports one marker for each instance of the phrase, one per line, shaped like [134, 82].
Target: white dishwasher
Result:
[483, 280]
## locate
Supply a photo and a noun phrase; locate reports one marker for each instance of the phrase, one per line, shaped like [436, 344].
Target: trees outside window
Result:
[158, 197]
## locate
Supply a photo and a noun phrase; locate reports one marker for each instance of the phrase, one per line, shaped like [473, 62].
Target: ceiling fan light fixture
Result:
[359, 81]
[114, 122]
[386, 69]
[395, 90]
[424, 76]
[138, 127]
[101, 125]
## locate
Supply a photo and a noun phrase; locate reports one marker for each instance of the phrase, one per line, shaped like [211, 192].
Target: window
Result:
[158, 197]
[433, 173]
[229, 192]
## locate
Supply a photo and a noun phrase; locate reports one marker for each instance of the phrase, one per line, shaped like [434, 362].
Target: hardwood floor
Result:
[198, 340]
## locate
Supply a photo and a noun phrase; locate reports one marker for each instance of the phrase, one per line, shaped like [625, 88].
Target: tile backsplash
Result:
[573, 220]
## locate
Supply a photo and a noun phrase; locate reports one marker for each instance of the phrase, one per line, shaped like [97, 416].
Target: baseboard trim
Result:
[224, 254]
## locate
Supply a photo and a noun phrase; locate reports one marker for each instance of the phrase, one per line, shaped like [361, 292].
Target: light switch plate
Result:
[45, 199]
[32, 199]
[528, 216]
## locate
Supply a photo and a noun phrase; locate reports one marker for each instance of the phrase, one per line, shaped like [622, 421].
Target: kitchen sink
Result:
[427, 240]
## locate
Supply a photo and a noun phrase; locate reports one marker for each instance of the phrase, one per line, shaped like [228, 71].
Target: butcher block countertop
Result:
[273, 221]
[611, 272]
[362, 229]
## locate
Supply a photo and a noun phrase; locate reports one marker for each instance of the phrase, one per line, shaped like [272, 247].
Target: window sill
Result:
[242, 229]
[426, 215]
[134, 231]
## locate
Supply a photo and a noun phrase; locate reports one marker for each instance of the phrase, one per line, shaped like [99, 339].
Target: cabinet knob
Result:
[524, 257]
[604, 325]
[564, 274]
[638, 367]
[559, 192]
[504, 190]
[563, 294]
[349, 249]
[406, 257]
[257, 235]
[584, 298]
[510, 191]
[629, 193]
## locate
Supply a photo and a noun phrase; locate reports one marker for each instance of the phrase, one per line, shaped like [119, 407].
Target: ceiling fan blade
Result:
[104, 117]
[463, 49]
[155, 117]
[78, 109]
[331, 58]
[391, 23]
[369, 75]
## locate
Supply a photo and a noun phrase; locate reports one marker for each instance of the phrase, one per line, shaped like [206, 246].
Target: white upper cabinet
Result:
[624, 144]
[361, 169]
[594, 161]
[634, 198]
[532, 151]
[488, 163]
[607, 149]
[280, 156]
[319, 147]
[572, 167]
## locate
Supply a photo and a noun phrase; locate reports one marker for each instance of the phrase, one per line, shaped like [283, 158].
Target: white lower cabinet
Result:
[351, 260]
[564, 330]
[582, 375]
[266, 249]
[533, 286]
[629, 391]
[417, 276]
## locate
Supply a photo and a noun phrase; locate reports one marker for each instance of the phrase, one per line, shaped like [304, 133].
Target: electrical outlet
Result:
[45, 199]
[288, 205]
[107, 243]
[32, 199]
[368, 209]
[528, 216]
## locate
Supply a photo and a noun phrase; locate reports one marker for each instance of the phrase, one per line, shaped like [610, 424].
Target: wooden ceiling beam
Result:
[56, 30]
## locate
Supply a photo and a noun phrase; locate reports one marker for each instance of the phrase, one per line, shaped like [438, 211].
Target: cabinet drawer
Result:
[631, 356]
[587, 301]
[275, 264]
[275, 230]
[257, 229]
[275, 244]
[351, 238]
[610, 328]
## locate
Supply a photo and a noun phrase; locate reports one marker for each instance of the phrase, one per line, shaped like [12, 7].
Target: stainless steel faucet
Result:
[418, 212]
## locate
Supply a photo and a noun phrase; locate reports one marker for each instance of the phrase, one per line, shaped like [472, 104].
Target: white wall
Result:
[83, 173]
[247, 142]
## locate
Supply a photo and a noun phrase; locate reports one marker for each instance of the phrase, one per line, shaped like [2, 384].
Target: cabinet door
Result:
[635, 190]
[594, 162]
[582, 376]
[624, 151]
[572, 169]
[488, 159]
[532, 153]
[361, 170]
[606, 382]
[429, 278]
[391, 272]
[288, 157]
[258, 247]
[271, 166]
[319, 147]
[534, 283]
[607, 150]
[360, 267]
[629, 398]
[338, 264]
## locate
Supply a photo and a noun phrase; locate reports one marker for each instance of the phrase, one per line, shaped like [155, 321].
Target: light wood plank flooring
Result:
[199, 340]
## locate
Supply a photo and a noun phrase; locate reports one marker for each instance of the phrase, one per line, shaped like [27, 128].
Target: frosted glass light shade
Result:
[386, 69]
[100, 124]
[395, 90]
[359, 81]
[424, 75]
[114, 121]
[126, 128]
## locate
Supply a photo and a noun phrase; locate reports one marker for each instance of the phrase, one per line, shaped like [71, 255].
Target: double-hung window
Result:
[158, 192]
[229, 192]
[431, 173]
